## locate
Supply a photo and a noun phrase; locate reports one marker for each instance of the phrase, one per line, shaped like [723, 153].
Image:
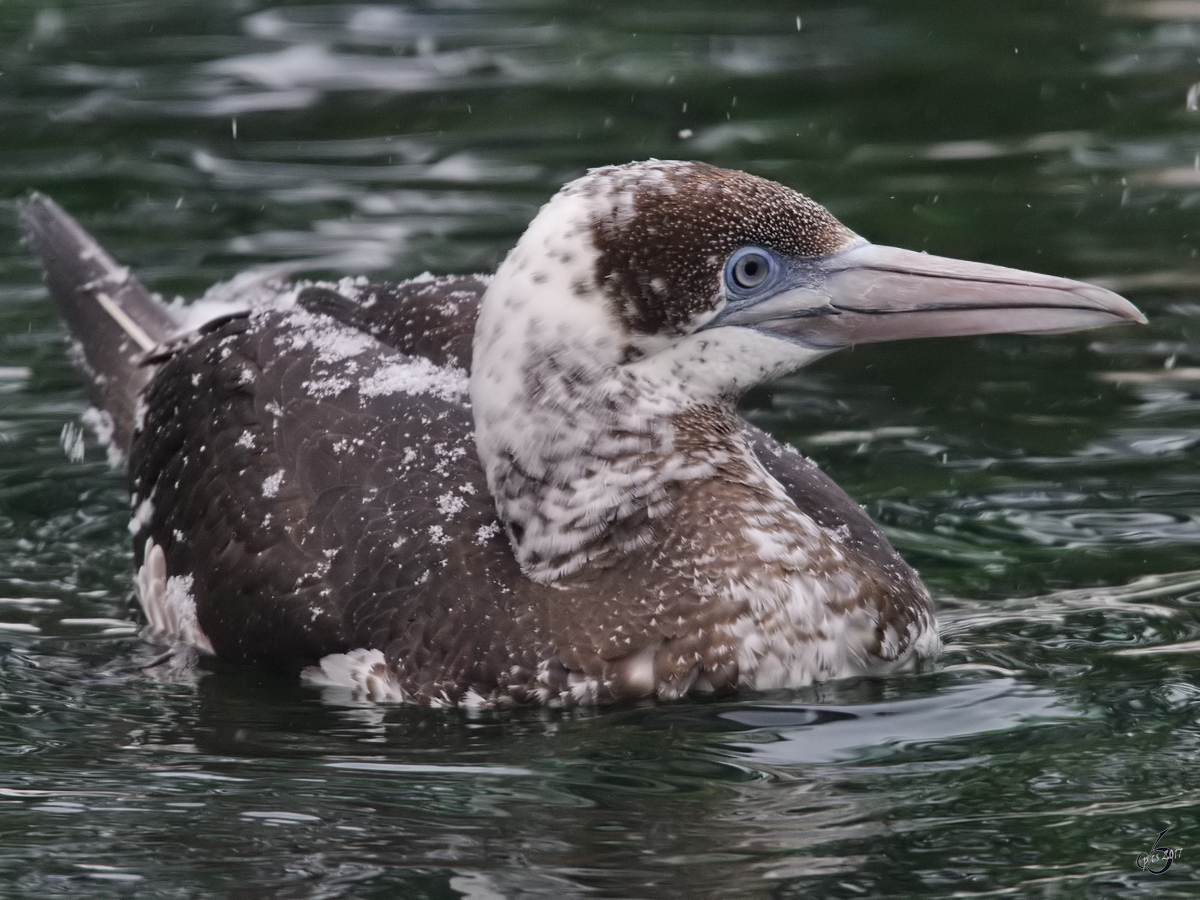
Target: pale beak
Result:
[870, 293]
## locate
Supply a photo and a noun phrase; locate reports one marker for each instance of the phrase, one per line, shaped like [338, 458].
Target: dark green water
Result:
[1046, 488]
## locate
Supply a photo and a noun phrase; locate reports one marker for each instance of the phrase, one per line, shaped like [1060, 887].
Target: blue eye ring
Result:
[748, 269]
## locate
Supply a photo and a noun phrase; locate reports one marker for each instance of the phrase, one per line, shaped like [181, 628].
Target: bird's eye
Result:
[748, 268]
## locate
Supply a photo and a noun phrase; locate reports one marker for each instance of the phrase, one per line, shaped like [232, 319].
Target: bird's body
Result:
[533, 487]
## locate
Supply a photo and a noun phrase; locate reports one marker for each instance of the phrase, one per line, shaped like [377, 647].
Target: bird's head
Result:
[709, 281]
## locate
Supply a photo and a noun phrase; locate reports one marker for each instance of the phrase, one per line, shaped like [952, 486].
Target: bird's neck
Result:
[583, 459]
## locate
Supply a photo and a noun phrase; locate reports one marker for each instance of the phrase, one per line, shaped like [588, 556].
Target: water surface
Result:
[1046, 488]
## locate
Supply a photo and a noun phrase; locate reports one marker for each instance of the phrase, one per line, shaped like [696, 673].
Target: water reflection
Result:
[793, 737]
[725, 794]
[732, 798]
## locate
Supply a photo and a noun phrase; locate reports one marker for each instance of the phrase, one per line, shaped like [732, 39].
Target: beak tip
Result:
[1116, 305]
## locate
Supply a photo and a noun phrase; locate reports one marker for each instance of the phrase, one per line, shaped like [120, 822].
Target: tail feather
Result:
[112, 317]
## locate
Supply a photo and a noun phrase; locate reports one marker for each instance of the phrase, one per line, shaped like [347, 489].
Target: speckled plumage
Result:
[374, 517]
[532, 488]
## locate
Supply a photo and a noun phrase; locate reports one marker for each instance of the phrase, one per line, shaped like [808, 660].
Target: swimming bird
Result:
[533, 487]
